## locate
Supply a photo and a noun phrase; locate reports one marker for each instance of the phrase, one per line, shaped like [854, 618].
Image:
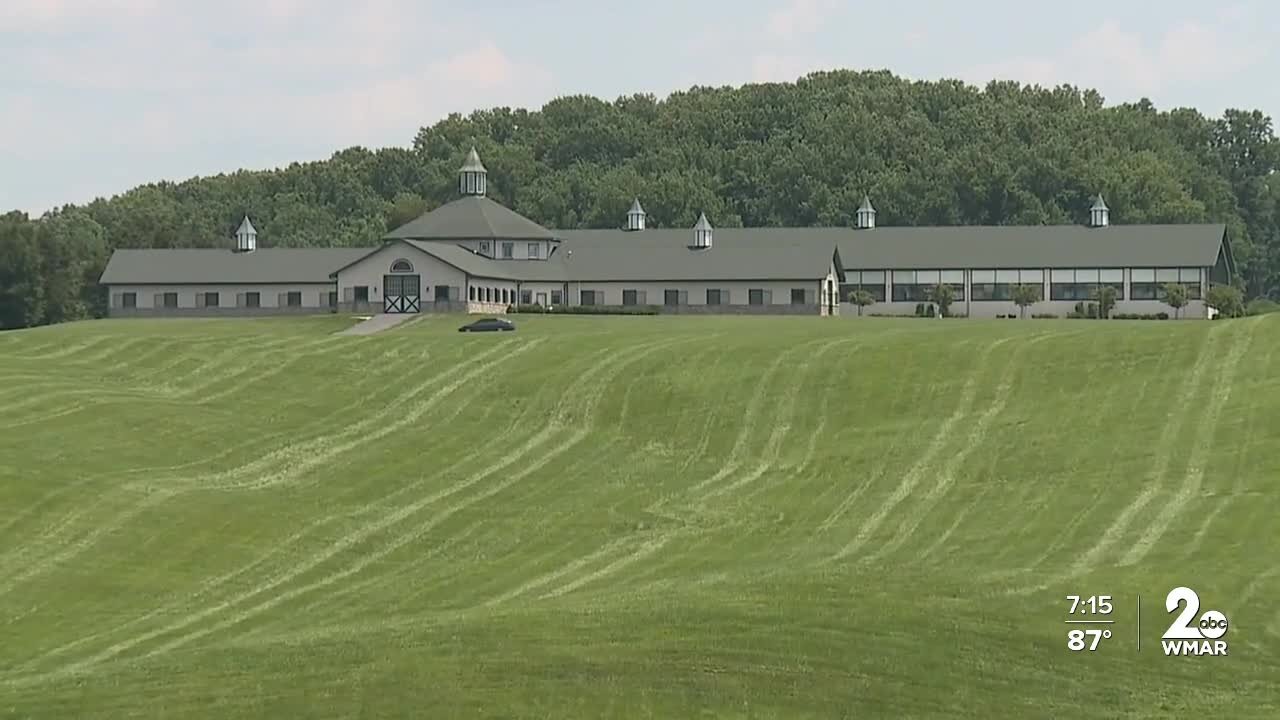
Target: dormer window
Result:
[535, 251]
[484, 247]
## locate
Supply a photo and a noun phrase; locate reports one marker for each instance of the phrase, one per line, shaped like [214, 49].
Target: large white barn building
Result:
[474, 255]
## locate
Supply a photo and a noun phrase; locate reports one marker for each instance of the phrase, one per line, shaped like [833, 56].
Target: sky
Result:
[98, 96]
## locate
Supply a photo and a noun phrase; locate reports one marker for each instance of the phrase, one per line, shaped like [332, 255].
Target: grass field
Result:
[634, 517]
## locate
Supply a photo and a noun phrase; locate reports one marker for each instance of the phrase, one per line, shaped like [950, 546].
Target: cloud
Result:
[783, 68]
[798, 17]
[1119, 61]
[47, 15]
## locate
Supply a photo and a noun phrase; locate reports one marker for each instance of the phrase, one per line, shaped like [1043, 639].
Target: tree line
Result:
[795, 154]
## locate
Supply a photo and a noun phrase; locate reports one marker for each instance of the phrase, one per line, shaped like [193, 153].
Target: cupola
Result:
[635, 217]
[865, 218]
[472, 177]
[1099, 214]
[246, 236]
[702, 233]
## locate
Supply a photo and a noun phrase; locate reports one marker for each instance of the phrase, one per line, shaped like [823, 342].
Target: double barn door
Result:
[401, 293]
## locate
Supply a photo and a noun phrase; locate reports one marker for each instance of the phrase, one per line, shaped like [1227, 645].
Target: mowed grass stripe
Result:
[546, 537]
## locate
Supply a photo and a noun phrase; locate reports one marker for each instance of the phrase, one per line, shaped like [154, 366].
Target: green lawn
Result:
[634, 517]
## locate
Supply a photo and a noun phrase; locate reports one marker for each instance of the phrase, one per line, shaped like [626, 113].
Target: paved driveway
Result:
[378, 323]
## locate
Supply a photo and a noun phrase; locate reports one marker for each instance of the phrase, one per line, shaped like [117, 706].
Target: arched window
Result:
[401, 266]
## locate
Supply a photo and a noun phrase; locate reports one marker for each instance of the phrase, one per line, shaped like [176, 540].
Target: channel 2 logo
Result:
[1188, 636]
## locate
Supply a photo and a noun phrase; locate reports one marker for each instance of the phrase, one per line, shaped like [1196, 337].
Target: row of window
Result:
[1064, 284]
[713, 296]
[509, 250]
[214, 299]
[489, 294]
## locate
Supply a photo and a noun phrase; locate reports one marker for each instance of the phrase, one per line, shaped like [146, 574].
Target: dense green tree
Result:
[801, 153]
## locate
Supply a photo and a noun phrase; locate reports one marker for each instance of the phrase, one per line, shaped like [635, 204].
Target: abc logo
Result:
[1213, 624]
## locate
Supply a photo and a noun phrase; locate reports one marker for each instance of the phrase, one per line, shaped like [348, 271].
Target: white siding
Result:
[191, 297]
[370, 271]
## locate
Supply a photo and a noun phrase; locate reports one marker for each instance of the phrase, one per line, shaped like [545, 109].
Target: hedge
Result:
[587, 309]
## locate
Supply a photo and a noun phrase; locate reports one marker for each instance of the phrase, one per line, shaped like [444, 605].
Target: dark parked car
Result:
[488, 325]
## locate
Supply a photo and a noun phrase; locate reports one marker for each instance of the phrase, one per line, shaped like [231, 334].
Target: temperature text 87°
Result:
[1086, 639]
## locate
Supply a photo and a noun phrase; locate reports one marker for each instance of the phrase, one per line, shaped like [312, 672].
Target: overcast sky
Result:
[97, 96]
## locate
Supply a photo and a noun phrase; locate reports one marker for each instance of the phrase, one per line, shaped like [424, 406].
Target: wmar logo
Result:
[1188, 637]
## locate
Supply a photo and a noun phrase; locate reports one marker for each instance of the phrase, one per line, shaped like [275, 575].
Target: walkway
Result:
[378, 323]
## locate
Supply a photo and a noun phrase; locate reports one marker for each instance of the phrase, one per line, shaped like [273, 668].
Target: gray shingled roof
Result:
[212, 265]
[246, 227]
[1098, 203]
[664, 254]
[1040, 246]
[470, 218]
[468, 261]
[635, 208]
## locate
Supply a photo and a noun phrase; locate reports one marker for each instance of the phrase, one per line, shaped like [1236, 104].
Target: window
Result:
[999, 284]
[442, 293]
[526, 297]
[362, 295]
[869, 281]
[293, 299]
[629, 297]
[484, 248]
[918, 285]
[253, 299]
[535, 251]
[333, 298]
[401, 266]
[1084, 284]
[129, 300]
[1148, 283]
[171, 300]
[471, 293]
[508, 250]
[557, 297]
[798, 296]
[588, 297]
[211, 299]
[756, 297]
[670, 297]
[713, 296]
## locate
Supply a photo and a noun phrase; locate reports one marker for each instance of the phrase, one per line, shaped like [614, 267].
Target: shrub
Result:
[1044, 316]
[605, 310]
[1226, 300]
